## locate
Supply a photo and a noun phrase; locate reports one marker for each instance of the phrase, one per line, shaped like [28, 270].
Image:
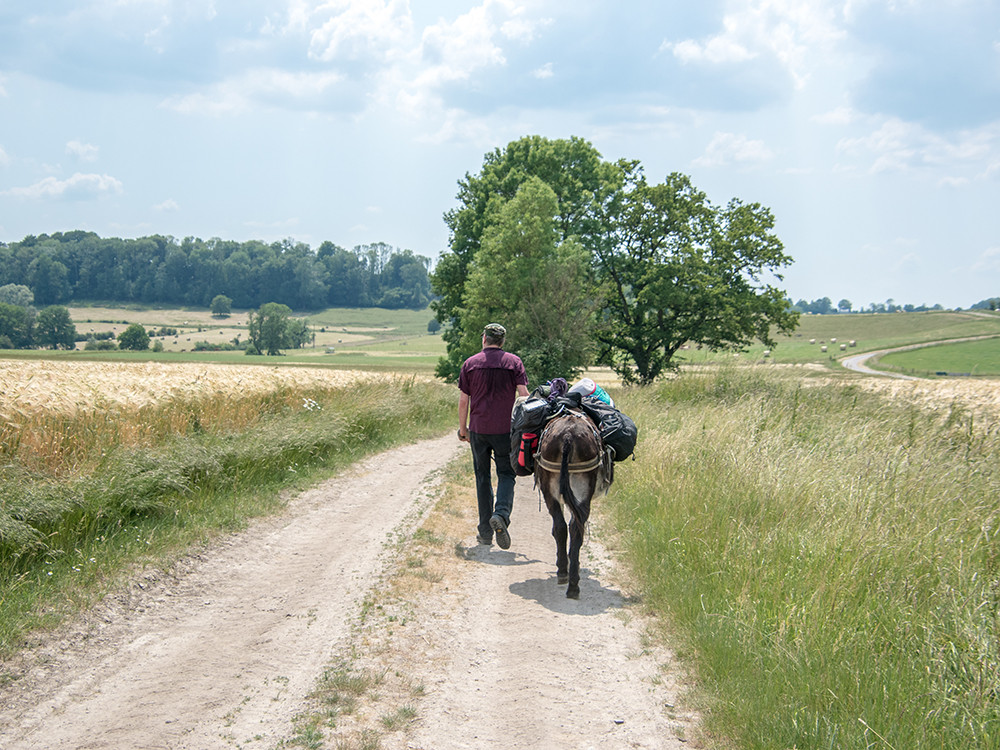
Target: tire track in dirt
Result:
[508, 661]
[222, 650]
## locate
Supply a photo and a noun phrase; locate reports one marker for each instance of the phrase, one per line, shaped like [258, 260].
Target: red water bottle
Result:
[526, 452]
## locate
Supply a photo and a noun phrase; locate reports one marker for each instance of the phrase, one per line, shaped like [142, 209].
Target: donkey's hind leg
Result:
[559, 533]
[583, 491]
[575, 543]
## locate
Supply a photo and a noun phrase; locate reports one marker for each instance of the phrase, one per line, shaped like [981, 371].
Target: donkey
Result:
[571, 466]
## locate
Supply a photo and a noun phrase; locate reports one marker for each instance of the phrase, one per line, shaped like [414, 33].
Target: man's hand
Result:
[463, 434]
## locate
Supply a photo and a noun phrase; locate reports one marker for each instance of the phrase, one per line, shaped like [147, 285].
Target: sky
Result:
[870, 128]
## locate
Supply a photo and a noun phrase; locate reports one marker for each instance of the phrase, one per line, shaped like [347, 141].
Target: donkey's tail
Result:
[566, 488]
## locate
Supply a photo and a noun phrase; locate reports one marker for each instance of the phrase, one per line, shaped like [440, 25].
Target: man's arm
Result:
[463, 416]
[522, 390]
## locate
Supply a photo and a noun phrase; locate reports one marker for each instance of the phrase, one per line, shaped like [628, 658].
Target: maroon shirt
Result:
[490, 379]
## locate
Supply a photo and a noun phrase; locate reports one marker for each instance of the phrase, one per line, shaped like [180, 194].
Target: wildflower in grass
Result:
[308, 403]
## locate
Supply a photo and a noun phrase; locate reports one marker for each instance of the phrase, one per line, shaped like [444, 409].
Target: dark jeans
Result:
[499, 447]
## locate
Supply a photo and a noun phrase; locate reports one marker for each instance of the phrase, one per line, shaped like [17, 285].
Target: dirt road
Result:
[223, 650]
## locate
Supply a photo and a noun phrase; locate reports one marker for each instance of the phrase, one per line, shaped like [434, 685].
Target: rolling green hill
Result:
[868, 331]
[381, 339]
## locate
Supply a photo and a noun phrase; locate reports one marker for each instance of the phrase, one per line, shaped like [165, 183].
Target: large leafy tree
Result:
[17, 294]
[16, 325]
[526, 277]
[575, 172]
[54, 328]
[134, 338]
[268, 328]
[673, 269]
[221, 306]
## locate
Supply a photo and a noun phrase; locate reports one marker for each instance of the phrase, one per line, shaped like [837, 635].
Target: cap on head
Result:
[495, 330]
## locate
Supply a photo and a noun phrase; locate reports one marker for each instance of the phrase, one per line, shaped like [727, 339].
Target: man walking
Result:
[489, 382]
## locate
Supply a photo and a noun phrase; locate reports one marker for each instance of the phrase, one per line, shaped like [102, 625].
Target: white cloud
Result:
[357, 29]
[450, 52]
[168, 205]
[898, 146]
[788, 30]
[716, 50]
[838, 116]
[4, 159]
[79, 187]
[955, 182]
[988, 261]
[727, 148]
[519, 28]
[543, 72]
[457, 126]
[462, 46]
[82, 151]
[891, 145]
[237, 95]
[907, 263]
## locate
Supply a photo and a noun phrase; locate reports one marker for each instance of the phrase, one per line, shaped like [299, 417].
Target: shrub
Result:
[102, 345]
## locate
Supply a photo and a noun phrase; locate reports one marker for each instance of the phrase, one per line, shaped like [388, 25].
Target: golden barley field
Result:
[980, 397]
[61, 416]
[73, 386]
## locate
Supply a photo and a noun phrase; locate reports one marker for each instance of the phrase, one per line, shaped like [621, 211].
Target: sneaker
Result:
[483, 540]
[499, 527]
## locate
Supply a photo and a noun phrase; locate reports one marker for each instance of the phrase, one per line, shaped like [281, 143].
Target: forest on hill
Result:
[162, 270]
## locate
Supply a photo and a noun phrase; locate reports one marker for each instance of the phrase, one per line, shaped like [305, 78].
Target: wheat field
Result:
[69, 387]
[63, 417]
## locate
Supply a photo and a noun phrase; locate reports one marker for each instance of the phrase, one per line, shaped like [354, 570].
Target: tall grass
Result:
[830, 558]
[83, 496]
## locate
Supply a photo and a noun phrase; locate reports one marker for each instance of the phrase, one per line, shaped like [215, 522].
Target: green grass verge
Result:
[65, 540]
[829, 560]
[967, 358]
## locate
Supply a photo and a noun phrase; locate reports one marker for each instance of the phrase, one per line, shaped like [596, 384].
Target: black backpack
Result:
[617, 430]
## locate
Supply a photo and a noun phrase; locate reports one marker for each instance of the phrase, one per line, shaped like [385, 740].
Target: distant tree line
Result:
[825, 306]
[159, 269]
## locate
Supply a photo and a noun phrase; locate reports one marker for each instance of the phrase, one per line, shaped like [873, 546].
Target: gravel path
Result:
[223, 650]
